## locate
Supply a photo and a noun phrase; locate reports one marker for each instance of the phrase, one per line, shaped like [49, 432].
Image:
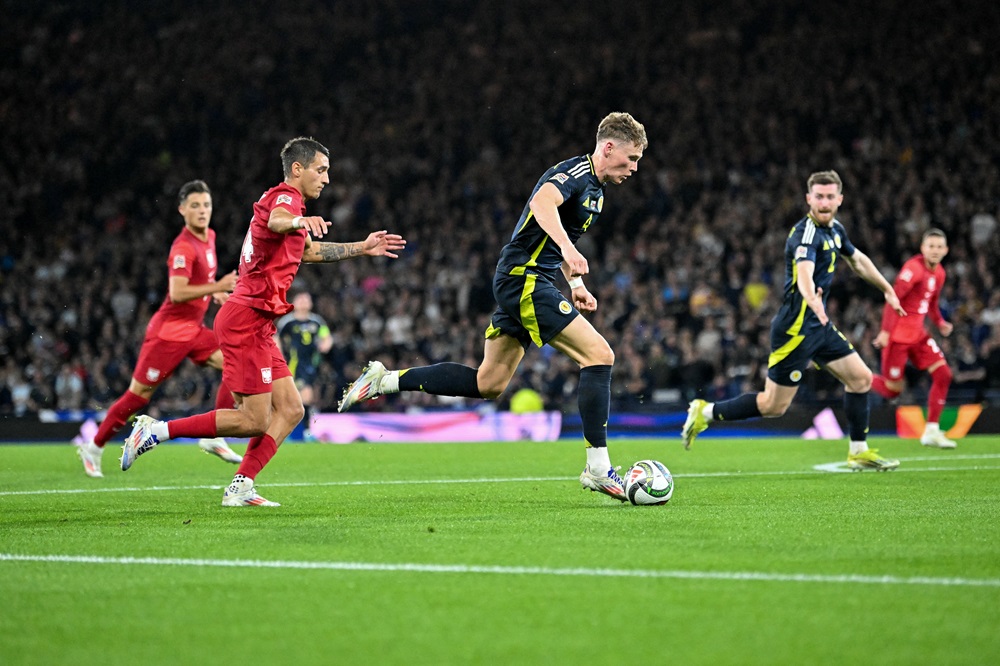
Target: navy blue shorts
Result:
[529, 309]
[791, 353]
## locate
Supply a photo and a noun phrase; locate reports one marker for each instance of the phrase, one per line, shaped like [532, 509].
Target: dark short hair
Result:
[198, 186]
[830, 177]
[302, 150]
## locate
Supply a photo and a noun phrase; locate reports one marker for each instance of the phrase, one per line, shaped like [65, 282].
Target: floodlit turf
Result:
[493, 554]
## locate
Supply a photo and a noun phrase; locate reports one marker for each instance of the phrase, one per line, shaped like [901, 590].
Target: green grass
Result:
[740, 507]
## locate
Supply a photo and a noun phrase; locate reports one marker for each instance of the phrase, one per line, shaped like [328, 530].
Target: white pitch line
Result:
[509, 571]
[824, 468]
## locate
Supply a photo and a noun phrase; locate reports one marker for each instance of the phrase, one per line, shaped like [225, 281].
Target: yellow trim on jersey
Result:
[531, 214]
[492, 331]
[528, 318]
[779, 354]
[520, 270]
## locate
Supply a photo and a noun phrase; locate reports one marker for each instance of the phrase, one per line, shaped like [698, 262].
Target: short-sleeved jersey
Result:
[269, 260]
[530, 249]
[821, 245]
[918, 290]
[194, 259]
[300, 339]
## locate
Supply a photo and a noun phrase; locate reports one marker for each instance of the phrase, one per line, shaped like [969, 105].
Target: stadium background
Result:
[440, 116]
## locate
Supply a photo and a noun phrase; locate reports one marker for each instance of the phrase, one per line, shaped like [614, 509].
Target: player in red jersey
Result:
[918, 286]
[177, 330]
[268, 404]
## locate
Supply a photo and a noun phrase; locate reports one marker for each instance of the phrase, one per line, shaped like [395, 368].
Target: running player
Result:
[279, 239]
[304, 337]
[564, 203]
[918, 286]
[801, 332]
[177, 330]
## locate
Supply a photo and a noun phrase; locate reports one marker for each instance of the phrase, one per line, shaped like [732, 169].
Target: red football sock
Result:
[118, 414]
[940, 382]
[259, 451]
[224, 398]
[201, 425]
[878, 384]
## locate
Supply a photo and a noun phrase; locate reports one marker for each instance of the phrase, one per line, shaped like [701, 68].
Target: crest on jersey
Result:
[836, 240]
[906, 275]
[600, 204]
[565, 307]
[796, 376]
[561, 177]
[931, 283]
[180, 261]
[152, 375]
[265, 375]
[210, 258]
[801, 252]
[895, 372]
[284, 199]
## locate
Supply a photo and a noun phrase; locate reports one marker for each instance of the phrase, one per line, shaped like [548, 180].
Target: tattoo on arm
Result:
[330, 252]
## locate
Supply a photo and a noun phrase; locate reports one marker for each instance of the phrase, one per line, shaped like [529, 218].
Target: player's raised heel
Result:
[696, 423]
[365, 387]
[139, 441]
[218, 447]
[610, 484]
[870, 459]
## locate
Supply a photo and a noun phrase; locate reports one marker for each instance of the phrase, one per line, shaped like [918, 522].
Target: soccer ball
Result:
[649, 482]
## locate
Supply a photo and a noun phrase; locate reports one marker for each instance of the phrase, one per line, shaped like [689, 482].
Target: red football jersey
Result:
[918, 290]
[194, 259]
[269, 260]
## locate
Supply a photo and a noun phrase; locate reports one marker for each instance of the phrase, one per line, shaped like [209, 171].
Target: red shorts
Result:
[158, 358]
[251, 359]
[922, 354]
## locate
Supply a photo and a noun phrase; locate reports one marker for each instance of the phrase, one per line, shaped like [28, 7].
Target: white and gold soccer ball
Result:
[649, 482]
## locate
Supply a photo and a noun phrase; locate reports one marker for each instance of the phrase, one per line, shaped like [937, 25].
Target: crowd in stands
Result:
[440, 116]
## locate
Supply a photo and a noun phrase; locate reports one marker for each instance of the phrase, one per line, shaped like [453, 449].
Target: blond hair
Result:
[622, 126]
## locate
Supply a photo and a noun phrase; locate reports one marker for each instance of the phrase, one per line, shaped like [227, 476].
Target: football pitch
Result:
[493, 554]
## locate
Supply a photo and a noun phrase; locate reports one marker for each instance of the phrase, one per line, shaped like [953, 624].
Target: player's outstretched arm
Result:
[378, 244]
[865, 269]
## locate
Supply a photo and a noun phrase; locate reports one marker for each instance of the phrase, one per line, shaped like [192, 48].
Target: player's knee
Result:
[861, 383]
[771, 410]
[493, 389]
[601, 355]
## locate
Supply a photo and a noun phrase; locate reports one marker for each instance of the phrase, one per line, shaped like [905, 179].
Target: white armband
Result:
[576, 282]
[297, 222]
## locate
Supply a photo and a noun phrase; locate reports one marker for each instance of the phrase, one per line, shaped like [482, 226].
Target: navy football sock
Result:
[441, 379]
[856, 406]
[594, 400]
[740, 408]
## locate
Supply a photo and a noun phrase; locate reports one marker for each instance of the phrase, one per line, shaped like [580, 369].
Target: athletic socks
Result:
[440, 379]
[594, 400]
[740, 408]
[878, 385]
[259, 452]
[118, 414]
[940, 382]
[856, 407]
[200, 425]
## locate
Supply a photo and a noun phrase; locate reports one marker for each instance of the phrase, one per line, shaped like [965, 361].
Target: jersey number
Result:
[247, 251]
[833, 261]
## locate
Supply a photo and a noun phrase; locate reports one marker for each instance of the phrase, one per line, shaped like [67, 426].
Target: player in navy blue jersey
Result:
[567, 199]
[304, 337]
[801, 332]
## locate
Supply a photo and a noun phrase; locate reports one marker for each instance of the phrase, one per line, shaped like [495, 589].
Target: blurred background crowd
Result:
[440, 116]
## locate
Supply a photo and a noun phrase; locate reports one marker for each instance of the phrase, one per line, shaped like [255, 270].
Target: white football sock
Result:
[390, 382]
[858, 447]
[160, 429]
[598, 460]
[708, 411]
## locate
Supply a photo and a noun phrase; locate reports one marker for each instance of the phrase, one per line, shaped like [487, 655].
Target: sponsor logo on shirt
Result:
[801, 252]
[180, 261]
[284, 199]
[561, 177]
